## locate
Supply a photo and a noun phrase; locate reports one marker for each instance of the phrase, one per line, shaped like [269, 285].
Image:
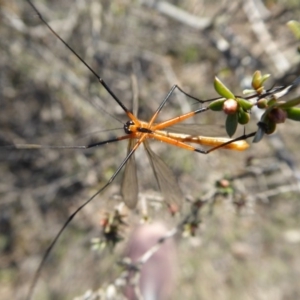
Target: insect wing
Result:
[129, 188]
[165, 178]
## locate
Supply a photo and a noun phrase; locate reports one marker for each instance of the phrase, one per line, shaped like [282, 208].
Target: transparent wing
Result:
[165, 178]
[129, 187]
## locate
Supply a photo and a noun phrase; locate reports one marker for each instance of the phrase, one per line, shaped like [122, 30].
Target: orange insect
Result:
[139, 132]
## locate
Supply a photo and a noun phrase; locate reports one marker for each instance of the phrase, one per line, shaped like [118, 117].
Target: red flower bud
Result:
[230, 107]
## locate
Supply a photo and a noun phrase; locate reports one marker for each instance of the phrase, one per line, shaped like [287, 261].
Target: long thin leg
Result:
[36, 146]
[177, 143]
[195, 98]
[46, 254]
[179, 119]
[79, 57]
[174, 87]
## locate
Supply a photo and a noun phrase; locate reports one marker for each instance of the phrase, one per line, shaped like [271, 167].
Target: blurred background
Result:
[247, 243]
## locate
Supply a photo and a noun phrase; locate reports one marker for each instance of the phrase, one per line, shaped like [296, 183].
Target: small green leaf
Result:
[217, 105]
[264, 78]
[243, 117]
[222, 90]
[262, 103]
[256, 80]
[272, 102]
[294, 26]
[231, 124]
[245, 104]
[248, 91]
[293, 113]
[289, 103]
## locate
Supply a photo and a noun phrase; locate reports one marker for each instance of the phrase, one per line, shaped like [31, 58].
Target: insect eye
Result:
[127, 126]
